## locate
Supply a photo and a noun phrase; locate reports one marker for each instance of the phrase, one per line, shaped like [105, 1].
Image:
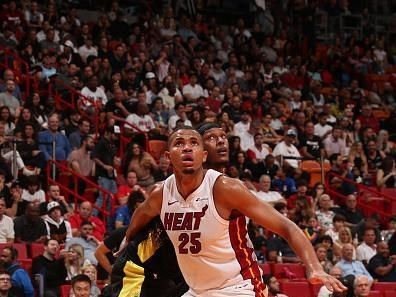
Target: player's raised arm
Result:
[148, 210]
[230, 194]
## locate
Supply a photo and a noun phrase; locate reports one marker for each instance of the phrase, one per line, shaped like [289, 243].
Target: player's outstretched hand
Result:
[331, 283]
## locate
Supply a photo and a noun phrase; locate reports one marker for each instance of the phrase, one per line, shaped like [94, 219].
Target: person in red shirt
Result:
[85, 214]
[367, 119]
[301, 194]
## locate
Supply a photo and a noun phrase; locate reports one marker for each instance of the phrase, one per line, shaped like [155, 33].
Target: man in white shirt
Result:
[33, 192]
[180, 109]
[367, 249]
[334, 144]
[286, 148]
[87, 50]
[93, 92]
[243, 125]
[264, 192]
[259, 150]
[140, 119]
[6, 224]
[192, 91]
[322, 129]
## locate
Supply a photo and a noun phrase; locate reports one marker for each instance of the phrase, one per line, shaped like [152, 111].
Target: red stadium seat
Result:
[266, 268]
[65, 290]
[289, 270]
[375, 294]
[26, 264]
[389, 293]
[36, 249]
[20, 247]
[295, 289]
[391, 286]
[315, 288]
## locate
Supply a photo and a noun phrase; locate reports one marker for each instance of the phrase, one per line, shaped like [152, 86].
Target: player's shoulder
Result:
[225, 182]
[156, 189]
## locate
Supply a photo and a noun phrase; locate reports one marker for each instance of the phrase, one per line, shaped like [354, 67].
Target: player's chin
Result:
[189, 170]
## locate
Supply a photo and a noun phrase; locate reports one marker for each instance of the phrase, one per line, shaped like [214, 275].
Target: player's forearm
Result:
[303, 248]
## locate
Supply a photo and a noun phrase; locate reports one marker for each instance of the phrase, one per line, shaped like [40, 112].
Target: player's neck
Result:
[187, 184]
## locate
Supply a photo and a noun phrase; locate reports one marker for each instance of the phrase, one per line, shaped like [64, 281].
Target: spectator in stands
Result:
[7, 98]
[324, 213]
[84, 127]
[180, 109]
[91, 272]
[287, 149]
[386, 174]
[279, 249]
[30, 227]
[74, 260]
[334, 144]
[19, 276]
[382, 266]
[322, 129]
[53, 195]
[357, 157]
[141, 119]
[362, 285]
[344, 237]
[367, 119]
[273, 286]
[87, 240]
[142, 163]
[264, 192]
[338, 223]
[321, 253]
[283, 183]
[192, 91]
[14, 203]
[80, 161]
[8, 120]
[57, 227]
[6, 287]
[104, 155]
[163, 171]
[51, 269]
[337, 273]
[367, 249]
[374, 157]
[259, 150]
[124, 213]
[353, 216]
[301, 194]
[33, 193]
[81, 285]
[350, 266]
[95, 94]
[62, 145]
[85, 214]
[9, 75]
[310, 144]
[29, 147]
[7, 233]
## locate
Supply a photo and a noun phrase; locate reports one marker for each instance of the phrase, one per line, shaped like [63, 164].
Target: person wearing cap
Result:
[104, 156]
[192, 91]
[286, 149]
[57, 227]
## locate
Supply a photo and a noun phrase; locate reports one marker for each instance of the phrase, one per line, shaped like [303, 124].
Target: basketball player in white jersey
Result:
[204, 213]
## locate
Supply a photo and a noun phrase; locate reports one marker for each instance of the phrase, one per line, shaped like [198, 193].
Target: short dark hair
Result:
[339, 218]
[323, 238]
[86, 223]
[80, 278]
[267, 278]
[47, 241]
[204, 127]
[13, 252]
[178, 129]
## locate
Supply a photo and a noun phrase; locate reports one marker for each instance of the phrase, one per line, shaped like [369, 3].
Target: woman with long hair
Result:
[36, 106]
[74, 260]
[141, 162]
[235, 147]
[5, 116]
[28, 147]
[92, 273]
[345, 236]
[386, 174]
[358, 158]
[25, 117]
[383, 143]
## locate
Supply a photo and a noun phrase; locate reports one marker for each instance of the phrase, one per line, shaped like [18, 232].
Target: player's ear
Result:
[205, 156]
[167, 155]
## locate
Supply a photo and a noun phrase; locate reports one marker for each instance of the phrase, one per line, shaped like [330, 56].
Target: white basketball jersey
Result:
[212, 253]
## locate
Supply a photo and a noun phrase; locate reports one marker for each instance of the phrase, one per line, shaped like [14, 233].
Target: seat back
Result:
[157, 148]
[266, 268]
[36, 249]
[20, 247]
[315, 288]
[281, 270]
[384, 286]
[295, 289]
[389, 293]
[375, 294]
[65, 290]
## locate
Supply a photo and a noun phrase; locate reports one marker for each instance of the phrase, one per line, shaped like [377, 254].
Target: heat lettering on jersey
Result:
[188, 221]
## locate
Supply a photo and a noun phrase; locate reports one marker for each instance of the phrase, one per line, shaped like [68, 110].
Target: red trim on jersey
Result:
[244, 254]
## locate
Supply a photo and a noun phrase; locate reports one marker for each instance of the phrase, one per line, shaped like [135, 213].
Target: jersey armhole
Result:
[213, 207]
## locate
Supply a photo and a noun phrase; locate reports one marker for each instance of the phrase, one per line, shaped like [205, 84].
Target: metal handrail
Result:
[74, 192]
[361, 190]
